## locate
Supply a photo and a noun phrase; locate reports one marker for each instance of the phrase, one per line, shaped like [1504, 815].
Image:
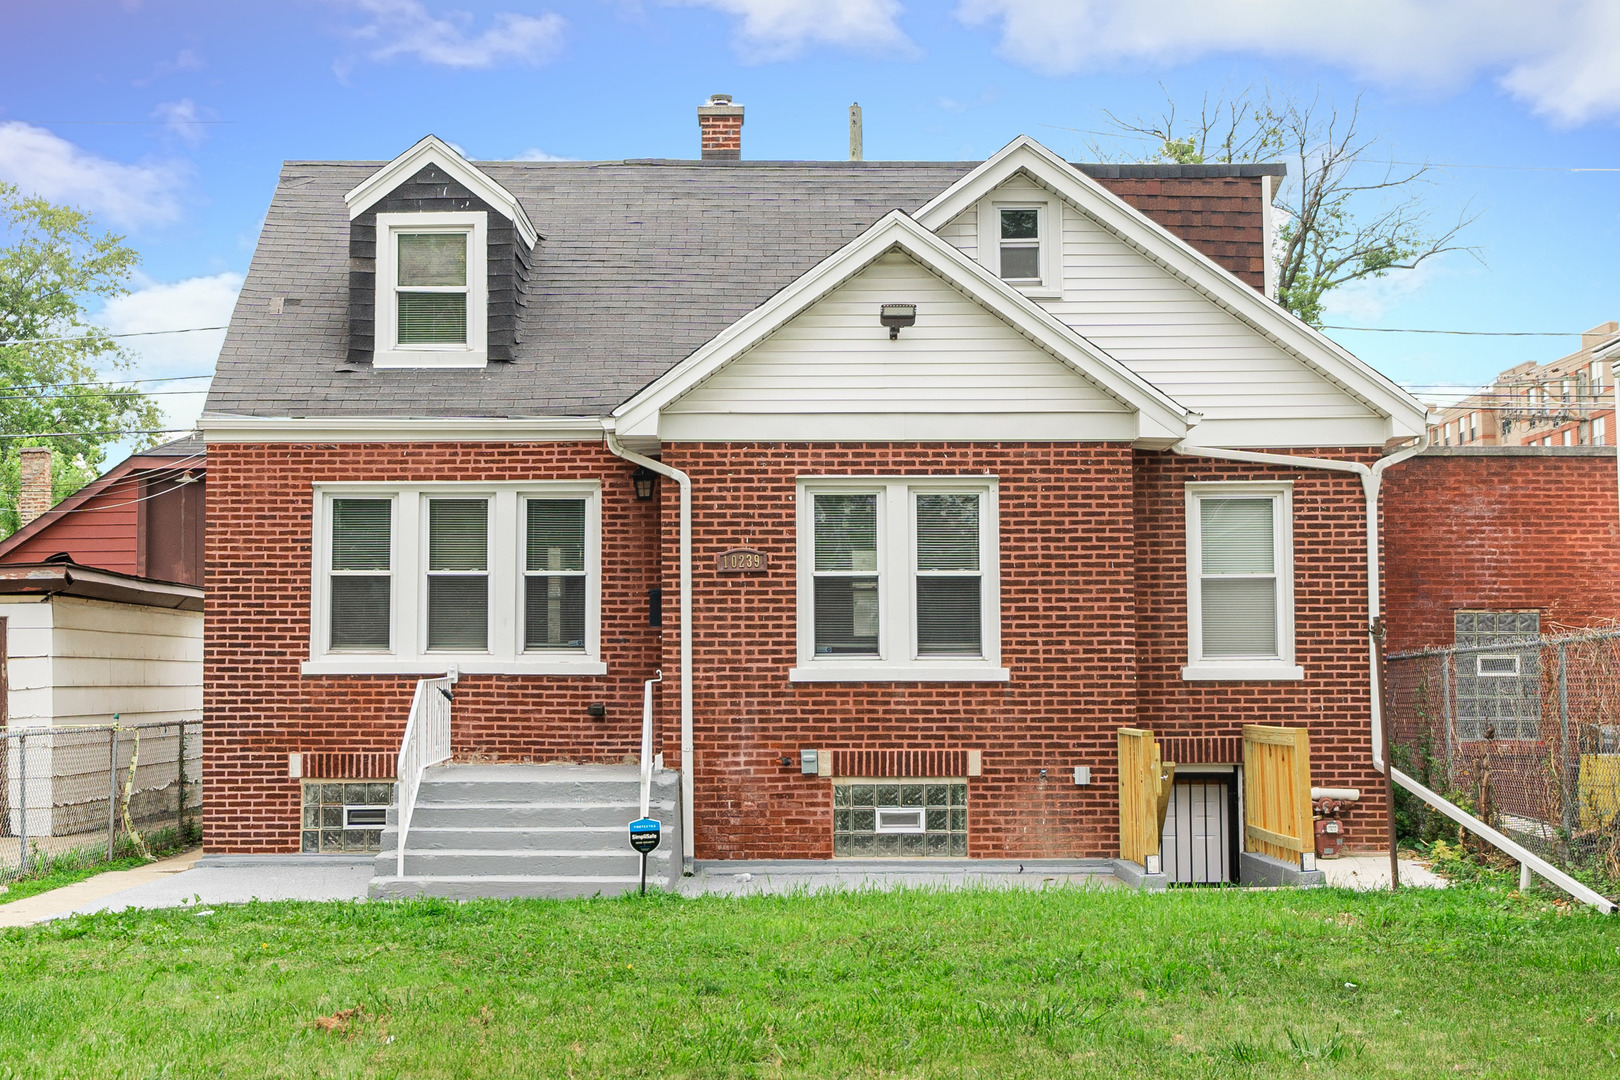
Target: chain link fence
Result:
[1524, 733]
[90, 793]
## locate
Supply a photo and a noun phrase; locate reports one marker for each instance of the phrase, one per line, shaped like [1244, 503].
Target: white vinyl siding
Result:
[1250, 390]
[832, 372]
[1240, 622]
[496, 578]
[898, 580]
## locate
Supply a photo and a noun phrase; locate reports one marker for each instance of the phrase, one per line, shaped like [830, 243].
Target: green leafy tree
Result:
[1348, 211]
[60, 393]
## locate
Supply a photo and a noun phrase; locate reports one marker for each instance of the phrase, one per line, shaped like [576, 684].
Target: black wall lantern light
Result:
[646, 482]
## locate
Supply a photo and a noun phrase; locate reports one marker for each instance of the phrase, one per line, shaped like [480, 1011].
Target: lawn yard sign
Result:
[644, 836]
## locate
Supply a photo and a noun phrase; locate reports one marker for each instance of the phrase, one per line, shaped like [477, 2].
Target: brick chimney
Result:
[720, 123]
[34, 491]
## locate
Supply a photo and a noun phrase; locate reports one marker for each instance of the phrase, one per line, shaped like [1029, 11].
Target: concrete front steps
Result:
[507, 831]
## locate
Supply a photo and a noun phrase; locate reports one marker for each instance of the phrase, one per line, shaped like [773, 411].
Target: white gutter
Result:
[685, 482]
[1371, 480]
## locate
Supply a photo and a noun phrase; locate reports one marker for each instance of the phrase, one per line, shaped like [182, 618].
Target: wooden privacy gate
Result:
[1277, 794]
[1144, 796]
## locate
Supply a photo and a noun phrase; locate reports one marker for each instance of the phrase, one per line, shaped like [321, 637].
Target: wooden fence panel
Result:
[1277, 791]
[1144, 795]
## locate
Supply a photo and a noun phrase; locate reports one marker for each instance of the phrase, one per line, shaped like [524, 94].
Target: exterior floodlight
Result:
[894, 316]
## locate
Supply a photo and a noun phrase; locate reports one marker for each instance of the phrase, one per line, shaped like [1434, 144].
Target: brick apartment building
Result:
[907, 477]
[1564, 402]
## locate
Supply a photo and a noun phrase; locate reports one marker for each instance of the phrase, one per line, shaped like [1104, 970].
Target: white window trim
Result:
[1261, 669]
[1050, 287]
[408, 574]
[898, 660]
[389, 353]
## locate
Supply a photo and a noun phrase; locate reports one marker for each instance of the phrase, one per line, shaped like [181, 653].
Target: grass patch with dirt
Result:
[1470, 981]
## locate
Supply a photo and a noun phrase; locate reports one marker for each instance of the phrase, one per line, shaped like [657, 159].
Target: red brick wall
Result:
[1502, 528]
[259, 706]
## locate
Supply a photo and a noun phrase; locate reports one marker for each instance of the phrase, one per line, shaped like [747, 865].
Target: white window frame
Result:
[408, 654]
[1281, 667]
[1049, 231]
[389, 353]
[897, 659]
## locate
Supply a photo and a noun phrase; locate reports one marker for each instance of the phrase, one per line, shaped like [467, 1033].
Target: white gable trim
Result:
[1197, 270]
[434, 151]
[1158, 415]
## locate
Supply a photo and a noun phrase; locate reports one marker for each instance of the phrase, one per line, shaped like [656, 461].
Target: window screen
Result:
[846, 575]
[1021, 245]
[1498, 689]
[458, 574]
[1238, 577]
[359, 616]
[554, 574]
[949, 584]
[432, 288]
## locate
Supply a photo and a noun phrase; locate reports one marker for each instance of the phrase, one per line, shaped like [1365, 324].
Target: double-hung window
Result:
[898, 580]
[502, 577]
[432, 296]
[1240, 587]
[1020, 238]
[1020, 247]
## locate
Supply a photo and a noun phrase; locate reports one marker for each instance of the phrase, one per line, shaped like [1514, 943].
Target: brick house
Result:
[916, 481]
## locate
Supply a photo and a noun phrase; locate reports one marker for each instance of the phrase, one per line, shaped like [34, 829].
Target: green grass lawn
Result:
[1469, 982]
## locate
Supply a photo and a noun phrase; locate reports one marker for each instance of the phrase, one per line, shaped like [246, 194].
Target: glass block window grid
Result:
[944, 806]
[1494, 700]
[324, 802]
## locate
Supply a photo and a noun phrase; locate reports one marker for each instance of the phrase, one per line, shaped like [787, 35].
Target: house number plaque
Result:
[742, 561]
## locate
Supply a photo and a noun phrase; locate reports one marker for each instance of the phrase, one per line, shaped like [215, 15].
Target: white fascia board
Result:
[339, 429]
[1160, 415]
[432, 150]
[1309, 346]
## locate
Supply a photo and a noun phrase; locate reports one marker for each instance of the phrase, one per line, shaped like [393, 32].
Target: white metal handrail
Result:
[426, 742]
[647, 741]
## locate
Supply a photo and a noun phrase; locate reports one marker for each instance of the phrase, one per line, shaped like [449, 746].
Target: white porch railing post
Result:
[647, 741]
[426, 743]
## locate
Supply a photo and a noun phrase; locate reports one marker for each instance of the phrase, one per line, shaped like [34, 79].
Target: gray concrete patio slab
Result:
[48, 905]
[744, 878]
[1372, 872]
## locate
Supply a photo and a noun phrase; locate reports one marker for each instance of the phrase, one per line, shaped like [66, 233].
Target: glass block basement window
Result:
[884, 818]
[344, 816]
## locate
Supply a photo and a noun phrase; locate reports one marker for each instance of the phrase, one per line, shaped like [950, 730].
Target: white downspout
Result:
[1371, 480]
[685, 482]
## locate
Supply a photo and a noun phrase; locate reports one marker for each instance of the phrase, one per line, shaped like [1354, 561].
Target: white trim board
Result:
[1317, 352]
[432, 150]
[1159, 417]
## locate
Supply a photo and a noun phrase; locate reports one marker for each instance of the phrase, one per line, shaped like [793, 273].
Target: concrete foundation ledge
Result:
[291, 859]
[1135, 877]
[921, 866]
[1257, 869]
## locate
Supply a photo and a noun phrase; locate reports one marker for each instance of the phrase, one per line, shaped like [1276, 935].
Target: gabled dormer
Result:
[438, 257]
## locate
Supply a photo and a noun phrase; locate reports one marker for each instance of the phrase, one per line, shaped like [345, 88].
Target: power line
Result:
[92, 337]
[126, 382]
[174, 121]
[119, 389]
[1461, 333]
[82, 434]
[167, 472]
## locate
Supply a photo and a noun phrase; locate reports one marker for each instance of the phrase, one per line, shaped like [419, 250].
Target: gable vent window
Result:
[1021, 245]
[432, 290]
[1240, 589]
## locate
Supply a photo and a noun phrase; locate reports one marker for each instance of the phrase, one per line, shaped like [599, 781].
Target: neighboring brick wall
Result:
[259, 706]
[1498, 528]
[1223, 217]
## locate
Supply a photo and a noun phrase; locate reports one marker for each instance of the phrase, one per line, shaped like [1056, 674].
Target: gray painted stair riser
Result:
[564, 838]
[532, 815]
[449, 792]
[541, 888]
[465, 863]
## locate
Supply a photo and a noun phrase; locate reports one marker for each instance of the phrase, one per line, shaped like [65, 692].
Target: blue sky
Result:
[197, 104]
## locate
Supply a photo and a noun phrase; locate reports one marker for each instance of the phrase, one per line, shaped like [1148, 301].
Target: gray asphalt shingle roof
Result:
[642, 262]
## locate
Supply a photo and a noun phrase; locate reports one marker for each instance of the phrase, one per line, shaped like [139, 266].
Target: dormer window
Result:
[432, 295]
[1021, 245]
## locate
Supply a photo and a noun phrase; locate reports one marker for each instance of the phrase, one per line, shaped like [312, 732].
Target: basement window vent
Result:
[344, 816]
[888, 818]
[1496, 666]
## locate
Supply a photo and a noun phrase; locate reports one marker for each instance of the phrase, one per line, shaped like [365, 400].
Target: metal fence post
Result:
[1567, 781]
[112, 789]
[1450, 735]
[180, 785]
[22, 803]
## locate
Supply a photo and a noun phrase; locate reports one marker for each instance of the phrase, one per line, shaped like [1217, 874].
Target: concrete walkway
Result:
[1372, 872]
[95, 890]
[816, 875]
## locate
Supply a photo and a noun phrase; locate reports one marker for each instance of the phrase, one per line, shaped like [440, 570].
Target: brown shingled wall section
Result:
[1223, 217]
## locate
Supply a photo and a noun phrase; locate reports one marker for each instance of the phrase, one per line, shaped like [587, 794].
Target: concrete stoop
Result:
[510, 831]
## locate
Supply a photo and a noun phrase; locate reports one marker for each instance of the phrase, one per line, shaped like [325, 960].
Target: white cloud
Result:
[1556, 55]
[198, 301]
[185, 119]
[1367, 301]
[43, 163]
[781, 29]
[405, 28]
[184, 60]
[534, 153]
